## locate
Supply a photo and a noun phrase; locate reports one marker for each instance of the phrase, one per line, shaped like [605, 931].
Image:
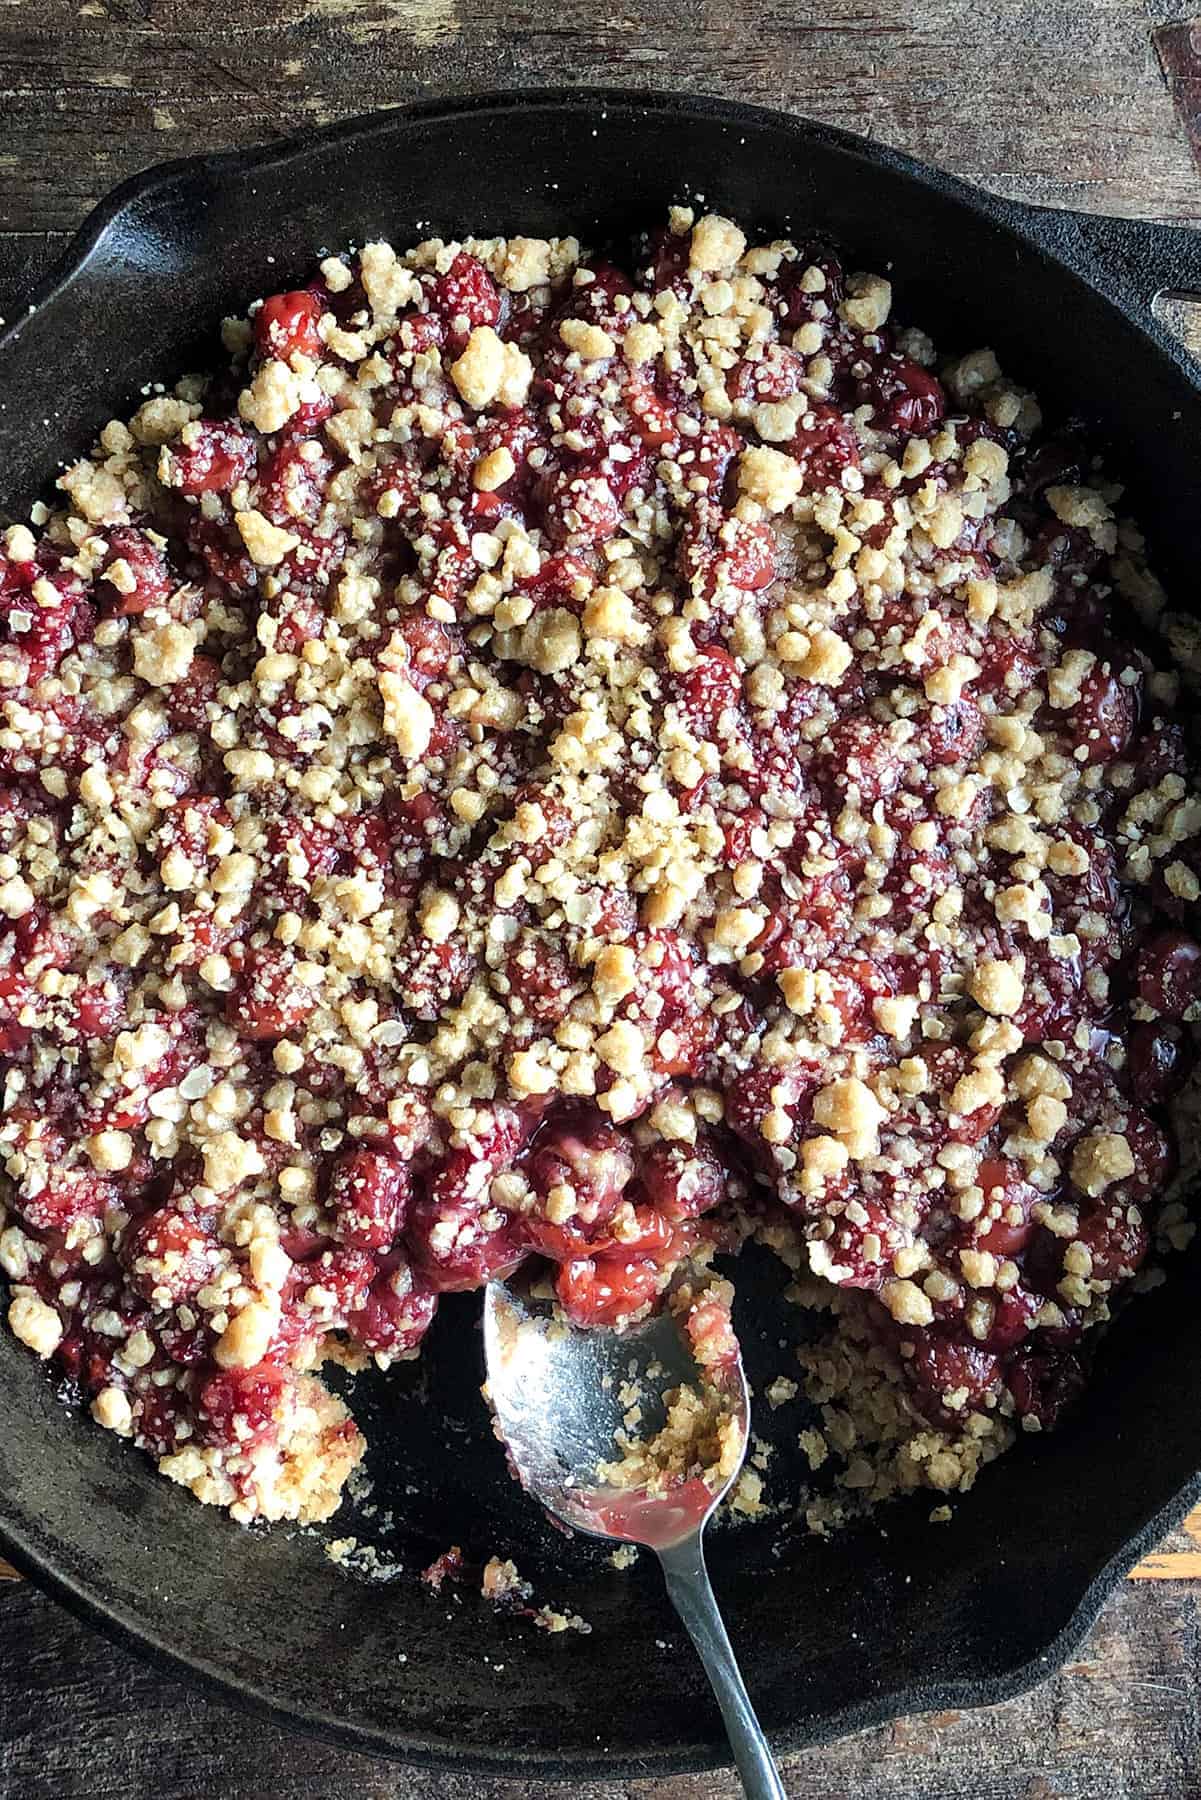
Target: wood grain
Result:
[1064, 102]
[1174, 1565]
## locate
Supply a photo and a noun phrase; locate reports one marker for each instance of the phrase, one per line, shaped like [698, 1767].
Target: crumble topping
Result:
[535, 760]
[698, 1446]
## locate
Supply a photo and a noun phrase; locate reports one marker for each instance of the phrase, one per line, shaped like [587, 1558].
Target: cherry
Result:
[187, 1348]
[596, 300]
[1159, 1059]
[749, 554]
[541, 979]
[429, 977]
[286, 326]
[906, 398]
[308, 416]
[562, 580]
[159, 1414]
[169, 1256]
[44, 630]
[466, 296]
[954, 732]
[712, 454]
[145, 567]
[414, 820]
[1104, 717]
[776, 374]
[101, 1008]
[196, 692]
[825, 446]
[68, 1197]
[292, 482]
[752, 1095]
[269, 1000]
[581, 507]
[222, 552]
[453, 1251]
[1012, 1318]
[240, 1407]
[217, 455]
[667, 262]
[560, 1243]
[432, 647]
[603, 1290]
[653, 420]
[1044, 1384]
[710, 692]
[716, 553]
[940, 1366]
[369, 1195]
[458, 1237]
[396, 1314]
[1169, 972]
[452, 569]
[589, 1157]
[345, 1271]
[682, 1182]
[711, 1334]
[651, 1233]
[861, 753]
[301, 1243]
[795, 304]
[1117, 1239]
[1007, 1203]
[420, 332]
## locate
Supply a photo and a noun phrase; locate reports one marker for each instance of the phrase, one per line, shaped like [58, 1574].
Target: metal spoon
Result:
[557, 1396]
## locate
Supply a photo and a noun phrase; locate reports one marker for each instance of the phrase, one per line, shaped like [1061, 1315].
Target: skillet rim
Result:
[1125, 262]
[1167, 254]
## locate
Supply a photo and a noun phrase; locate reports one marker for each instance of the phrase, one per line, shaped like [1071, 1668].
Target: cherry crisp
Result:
[542, 759]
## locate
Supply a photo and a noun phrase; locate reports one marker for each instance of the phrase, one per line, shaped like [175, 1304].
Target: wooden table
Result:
[1077, 105]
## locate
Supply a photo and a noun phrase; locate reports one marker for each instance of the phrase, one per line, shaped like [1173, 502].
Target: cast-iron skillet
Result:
[832, 1635]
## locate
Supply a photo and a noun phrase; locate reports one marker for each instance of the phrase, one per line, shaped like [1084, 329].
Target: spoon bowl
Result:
[566, 1400]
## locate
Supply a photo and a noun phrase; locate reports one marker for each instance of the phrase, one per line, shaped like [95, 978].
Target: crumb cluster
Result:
[700, 1439]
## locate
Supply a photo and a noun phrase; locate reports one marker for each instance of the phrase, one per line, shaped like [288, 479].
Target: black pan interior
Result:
[831, 1634]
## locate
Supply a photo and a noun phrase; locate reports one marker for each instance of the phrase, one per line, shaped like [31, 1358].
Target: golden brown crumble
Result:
[536, 756]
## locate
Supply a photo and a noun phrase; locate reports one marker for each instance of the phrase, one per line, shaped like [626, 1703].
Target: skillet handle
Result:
[1135, 260]
[1175, 257]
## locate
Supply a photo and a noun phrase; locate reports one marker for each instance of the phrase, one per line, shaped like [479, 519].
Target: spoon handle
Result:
[693, 1598]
